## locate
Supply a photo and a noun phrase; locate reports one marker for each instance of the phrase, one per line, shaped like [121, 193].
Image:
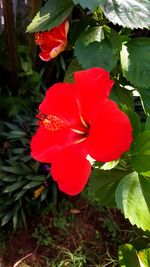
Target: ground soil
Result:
[96, 231]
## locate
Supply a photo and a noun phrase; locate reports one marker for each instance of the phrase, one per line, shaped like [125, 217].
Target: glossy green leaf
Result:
[135, 61]
[132, 197]
[77, 27]
[144, 256]
[145, 99]
[103, 46]
[90, 4]
[128, 256]
[122, 96]
[141, 152]
[104, 183]
[127, 13]
[51, 15]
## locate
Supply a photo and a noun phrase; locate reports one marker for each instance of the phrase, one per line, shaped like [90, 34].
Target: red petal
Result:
[71, 170]
[110, 133]
[60, 100]
[45, 55]
[93, 88]
[60, 32]
[45, 144]
[48, 46]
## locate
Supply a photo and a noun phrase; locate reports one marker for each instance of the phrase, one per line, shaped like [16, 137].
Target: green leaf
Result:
[73, 66]
[135, 61]
[102, 43]
[128, 256]
[15, 214]
[127, 13]
[18, 150]
[23, 217]
[92, 5]
[13, 187]
[31, 185]
[20, 194]
[17, 168]
[135, 121]
[77, 27]
[36, 177]
[44, 194]
[9, 178]
[103, 184]
[51, 15]
[141, 152]
[132, 197]
[147, 124]
[12, 127]
[144, 256]
[122, 96]
[15, 219]
[109, 165]
[15, 134]
[6, 218]
[145, 99]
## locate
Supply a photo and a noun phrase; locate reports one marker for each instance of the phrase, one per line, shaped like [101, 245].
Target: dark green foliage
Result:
[20, 176]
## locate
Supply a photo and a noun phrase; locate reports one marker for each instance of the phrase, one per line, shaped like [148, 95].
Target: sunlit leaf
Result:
[50, 15]
[144, 256]
[109, 165]
[135, 61]
[132, 197]
[127, 13]
[104, 47]
[128, 256]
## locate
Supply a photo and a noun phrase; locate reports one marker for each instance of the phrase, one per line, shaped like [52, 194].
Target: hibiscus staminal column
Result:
[51, 122]
[77, 120]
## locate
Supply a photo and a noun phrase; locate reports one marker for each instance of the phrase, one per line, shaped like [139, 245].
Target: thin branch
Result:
[11, 40]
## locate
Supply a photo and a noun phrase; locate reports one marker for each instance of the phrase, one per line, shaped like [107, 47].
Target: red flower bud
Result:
[52, 42]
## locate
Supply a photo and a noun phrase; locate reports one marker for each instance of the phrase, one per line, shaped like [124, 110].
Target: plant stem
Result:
[11, 40]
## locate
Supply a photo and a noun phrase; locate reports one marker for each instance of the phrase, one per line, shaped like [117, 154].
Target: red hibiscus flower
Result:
[77, 120]
[52, 42]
